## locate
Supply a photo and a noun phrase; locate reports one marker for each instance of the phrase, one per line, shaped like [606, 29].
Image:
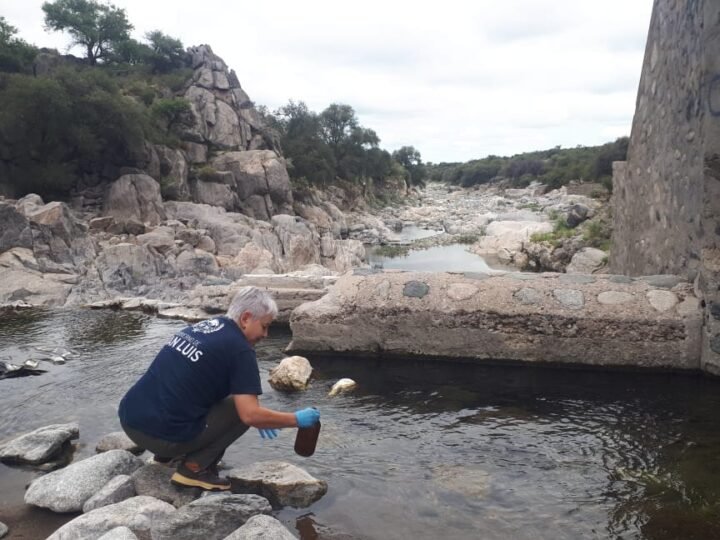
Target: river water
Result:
[421, 450]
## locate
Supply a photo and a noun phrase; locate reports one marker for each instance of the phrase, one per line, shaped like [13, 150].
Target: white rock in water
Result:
[342, 386]
[291, 374]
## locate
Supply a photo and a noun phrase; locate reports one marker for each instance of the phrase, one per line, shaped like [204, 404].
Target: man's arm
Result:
[253, 415]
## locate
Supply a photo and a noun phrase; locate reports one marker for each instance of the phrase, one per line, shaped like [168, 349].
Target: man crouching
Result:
[201, 393]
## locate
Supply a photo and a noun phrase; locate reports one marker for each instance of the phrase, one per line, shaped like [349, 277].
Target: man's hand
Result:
[307, 417]
[268, 433]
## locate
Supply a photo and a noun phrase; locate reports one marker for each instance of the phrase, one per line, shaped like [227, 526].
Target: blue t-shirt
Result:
[200, 366]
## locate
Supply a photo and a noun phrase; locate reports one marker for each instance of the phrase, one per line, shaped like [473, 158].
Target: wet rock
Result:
[116, 490]
[117, 440]
[210, 518]
[119, 533]
[154, 481]
[137, 514]
[68, 489]
[576, 215]
[261, 527]
[470, 482]
[292, 374]
[342, 386]
[282, 483]
[39, 446]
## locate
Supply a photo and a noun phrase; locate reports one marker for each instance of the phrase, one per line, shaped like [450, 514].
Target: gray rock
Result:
[523, 276]
[116, 490]
[576, 278]
[570, 298]
[14, 228]
[68, 489]
[39, 446]
[528, 296]
[210, 518]
[587, 261]
[476, 275]
[261, 527]
[119, 533]
[282, 483]
[416, 289]
[715, 310]
[135, 197]
[662, 300]
[174, 172]
[153, 480]
[613, 298]
[662, 281]
[117, 440]
[138, 514]
[621, 279]
[3, 529]
[715, 344]
[576, 215]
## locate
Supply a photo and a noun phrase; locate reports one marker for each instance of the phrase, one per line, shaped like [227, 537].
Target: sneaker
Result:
[203, 479]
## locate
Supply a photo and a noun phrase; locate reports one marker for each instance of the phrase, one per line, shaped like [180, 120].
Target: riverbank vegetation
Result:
[555, 167]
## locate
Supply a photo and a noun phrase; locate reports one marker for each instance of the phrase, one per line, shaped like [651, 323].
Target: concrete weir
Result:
[598, 320]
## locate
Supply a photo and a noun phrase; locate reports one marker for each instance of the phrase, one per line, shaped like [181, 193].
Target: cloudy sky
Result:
[457, 79]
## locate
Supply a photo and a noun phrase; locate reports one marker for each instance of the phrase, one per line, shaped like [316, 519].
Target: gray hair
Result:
[257, 301]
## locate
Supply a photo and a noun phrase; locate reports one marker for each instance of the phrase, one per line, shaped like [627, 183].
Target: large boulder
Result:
[282, 483]
[153, 480]
[587, 261]
[174, 173]
[137, 514]
[67, 490]
[300, 242]
[39, 446]
[124, 266]
[23, 281]
[116, 490]
[262, 183]
[135, 197]
[210, 518]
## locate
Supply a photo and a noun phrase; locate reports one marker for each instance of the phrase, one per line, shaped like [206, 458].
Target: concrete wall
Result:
[666, 197]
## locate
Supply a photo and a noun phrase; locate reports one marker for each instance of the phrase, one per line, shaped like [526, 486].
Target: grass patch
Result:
[467, 238]
[392, 251]
[560, 232]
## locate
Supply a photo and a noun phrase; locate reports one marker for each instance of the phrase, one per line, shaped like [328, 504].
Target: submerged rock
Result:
[261, 527]
[282, 483]
[138, 514]
[68, 489]
[342, 386]
[210, 518]
[39, 446]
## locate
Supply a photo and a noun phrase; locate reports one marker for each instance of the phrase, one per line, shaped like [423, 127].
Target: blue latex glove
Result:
[267, 433]
[307, 417]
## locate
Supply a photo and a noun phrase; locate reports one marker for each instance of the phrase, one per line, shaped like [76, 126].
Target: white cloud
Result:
[458, 80]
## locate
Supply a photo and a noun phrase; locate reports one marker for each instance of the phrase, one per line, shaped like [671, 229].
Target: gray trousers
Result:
[223, 427]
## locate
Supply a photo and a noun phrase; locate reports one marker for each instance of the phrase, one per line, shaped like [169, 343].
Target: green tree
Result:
[172, 114]
[16, 55]
[168, 53]
[56, 132]
[98, 28]
[410, 159]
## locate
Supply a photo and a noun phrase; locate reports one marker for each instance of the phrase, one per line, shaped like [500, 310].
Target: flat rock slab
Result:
[261, 527]
[282, 483]
[137, 514]
[539, 318]
[39, 446]
[68, 489]
[210, 518]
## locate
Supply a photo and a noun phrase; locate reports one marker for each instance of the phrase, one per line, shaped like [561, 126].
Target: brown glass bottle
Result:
[306, 440]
